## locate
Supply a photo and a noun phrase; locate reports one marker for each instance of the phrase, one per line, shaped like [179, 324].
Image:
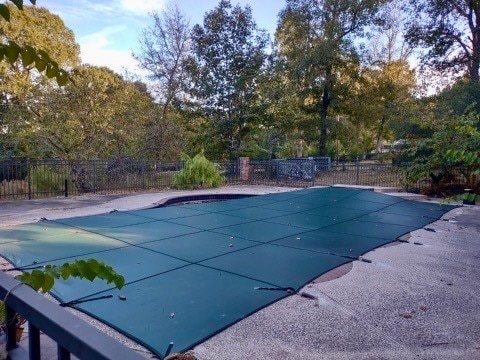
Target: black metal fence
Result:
[72, 335]
[33, 179]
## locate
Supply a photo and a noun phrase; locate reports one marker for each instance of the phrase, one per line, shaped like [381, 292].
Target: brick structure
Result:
[244, 168]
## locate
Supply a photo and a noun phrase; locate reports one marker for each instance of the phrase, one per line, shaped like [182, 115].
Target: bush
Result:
[48, 179]
[198, 172]
[450, 159]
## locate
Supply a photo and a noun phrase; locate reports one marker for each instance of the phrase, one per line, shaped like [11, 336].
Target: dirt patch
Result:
[335, 273]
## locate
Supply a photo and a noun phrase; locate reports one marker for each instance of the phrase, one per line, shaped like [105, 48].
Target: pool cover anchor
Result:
[361, 258]
[169, 349]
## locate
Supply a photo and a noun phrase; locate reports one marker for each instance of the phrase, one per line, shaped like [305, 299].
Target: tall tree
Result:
[34, 33]
[164, 48]
[386, 93]
[450, 32]
[97, 115]
[316, 38]
[388, 81]
[229, 53]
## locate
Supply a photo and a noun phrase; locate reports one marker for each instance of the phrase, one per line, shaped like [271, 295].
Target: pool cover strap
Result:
[289, 290]
[76, 302]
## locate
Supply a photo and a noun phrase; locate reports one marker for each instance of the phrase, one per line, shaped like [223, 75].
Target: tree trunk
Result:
[475, 28]
[475, 68]
[380, 134]
[326, 101]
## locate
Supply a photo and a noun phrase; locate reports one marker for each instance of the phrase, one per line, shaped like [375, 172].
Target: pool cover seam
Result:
[128, 244]
[213, 230]
[245, 248]
[137, 245]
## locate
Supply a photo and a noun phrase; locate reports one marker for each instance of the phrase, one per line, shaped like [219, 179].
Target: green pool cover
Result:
[193, 270]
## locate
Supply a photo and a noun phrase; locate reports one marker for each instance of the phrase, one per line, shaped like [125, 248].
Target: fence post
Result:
[66, 187]
[10, 321]
[313, 172]
[143, 174]
[29, 179]
[276, 171]
[94, 176]
[357, 167]
[244, 169]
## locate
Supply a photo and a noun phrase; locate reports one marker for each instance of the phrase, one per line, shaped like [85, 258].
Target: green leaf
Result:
[18, 3]
[48, 283]
[51, 71]
[88, 269]
[62, 77]
[37, 279]
[28, 55]
[88, 272]
[119, 281]
[12, 51]
[4, 12]
[44, 55]
[40, 65]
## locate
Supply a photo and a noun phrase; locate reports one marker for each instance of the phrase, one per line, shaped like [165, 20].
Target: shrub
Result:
[198, 172]
[48, 179]
[450, 158]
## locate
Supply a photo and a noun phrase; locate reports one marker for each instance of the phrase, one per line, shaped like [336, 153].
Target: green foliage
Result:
[47, 179]
[449, 31]
[198, 172]
[458, 99]
[5, 11]
[39, 58]
[317, 44]
[11, 50]
[229, 53]
[454, 148]
[43, 280]
[98, 115]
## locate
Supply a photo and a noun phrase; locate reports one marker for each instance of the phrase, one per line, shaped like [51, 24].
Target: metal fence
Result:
[72, 335]
[33, 179]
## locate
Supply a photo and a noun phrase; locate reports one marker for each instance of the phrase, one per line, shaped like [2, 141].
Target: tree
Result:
[20, 83]
[316, 39]
[164, 48]
[97, 115]
[450, 32]
[388, 81]
[229, 53]
[31, 57]
[36, 28]
[386, 93]
[458, 99]
[279, 115]
[453, 149]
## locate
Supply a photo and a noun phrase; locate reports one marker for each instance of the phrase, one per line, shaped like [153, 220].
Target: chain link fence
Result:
[33, 179]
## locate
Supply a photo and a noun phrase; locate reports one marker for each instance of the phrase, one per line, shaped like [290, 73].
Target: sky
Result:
[108, 30]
